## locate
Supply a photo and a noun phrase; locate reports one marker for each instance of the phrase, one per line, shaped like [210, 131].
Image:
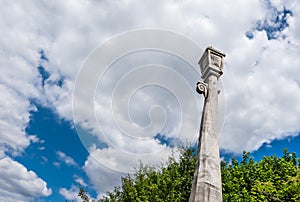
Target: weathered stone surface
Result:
[207, 184]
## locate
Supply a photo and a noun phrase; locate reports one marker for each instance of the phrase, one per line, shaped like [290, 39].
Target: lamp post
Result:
[207, 183]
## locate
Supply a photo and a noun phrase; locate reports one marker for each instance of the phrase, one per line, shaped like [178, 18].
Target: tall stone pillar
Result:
[207, 183]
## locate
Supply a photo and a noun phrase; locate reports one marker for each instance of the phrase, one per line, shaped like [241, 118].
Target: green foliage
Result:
[271, 179]
[83, 195]
[165, 183]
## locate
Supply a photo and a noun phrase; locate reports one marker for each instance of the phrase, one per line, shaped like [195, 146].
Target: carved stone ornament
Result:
[211, 63]
[202, 88]
[216, 60]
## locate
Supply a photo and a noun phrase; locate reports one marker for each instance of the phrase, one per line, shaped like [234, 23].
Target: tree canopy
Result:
[270, 179]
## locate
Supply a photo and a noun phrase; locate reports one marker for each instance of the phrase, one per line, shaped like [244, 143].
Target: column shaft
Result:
[207, 184]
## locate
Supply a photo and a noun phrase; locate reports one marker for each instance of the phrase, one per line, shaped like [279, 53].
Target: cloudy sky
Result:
[90, 88]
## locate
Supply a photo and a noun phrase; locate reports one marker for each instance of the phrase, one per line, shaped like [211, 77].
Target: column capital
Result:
[211, 63]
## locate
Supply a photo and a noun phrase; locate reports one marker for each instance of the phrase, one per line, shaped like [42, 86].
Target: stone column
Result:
[207, 183]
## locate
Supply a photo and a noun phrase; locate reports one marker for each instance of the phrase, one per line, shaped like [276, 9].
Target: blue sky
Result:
[145, 102]
[59, 137]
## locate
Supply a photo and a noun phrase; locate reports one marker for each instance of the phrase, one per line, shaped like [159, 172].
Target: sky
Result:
[89, 89]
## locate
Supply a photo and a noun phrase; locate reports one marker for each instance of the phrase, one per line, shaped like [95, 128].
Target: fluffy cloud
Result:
[101, 177]
[70, 194]
[80, 181]
[19, 78]
[179, 16]
[12, 123]
[105, 167]
[69, 161]
[244, 55]
[19, 184]
[261, 107]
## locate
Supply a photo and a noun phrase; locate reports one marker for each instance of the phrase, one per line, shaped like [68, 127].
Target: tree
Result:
[271, 179]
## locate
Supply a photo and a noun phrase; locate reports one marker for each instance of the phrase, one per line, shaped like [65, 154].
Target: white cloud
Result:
[264, 105]
[19, 184]
[69, 161]
[103, 179]
[247, 60]
[14, 117]
[80, 181]
[19, 77]
[70, 194]
[105, 167]
[185, 17]
[56, 164]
